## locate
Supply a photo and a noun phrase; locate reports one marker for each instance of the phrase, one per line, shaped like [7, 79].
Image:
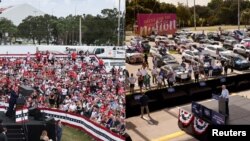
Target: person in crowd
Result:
[154, 73]
[159, 81]
[231, 63]
[196, 73]
[171, 78]
[44, 136]
[59, 130]
[225, 96]
[132, 81]
[210, 70]
[225, 67]
[147, 78]
[144, 104]
[140, 82]
[146, 59]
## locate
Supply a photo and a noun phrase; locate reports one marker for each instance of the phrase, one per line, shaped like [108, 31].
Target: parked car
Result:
[241, 49]
[181, 74]
[214, 50]
[240, 34]
[197, 37]
[136, 40]
[165, 60]
[229, 44]
[133, 56]
[246, 42]
[208, 41]
[151, 37]
[238, 61]
[190, 55]
[161, 39]
[213, 36]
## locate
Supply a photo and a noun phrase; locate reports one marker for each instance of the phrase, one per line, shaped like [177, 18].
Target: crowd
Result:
[76, 84]
[203, 68]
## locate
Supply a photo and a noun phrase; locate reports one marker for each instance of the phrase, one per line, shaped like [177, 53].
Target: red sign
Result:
[160, 24]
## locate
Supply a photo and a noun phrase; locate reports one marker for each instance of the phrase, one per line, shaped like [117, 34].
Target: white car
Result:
[241, 49]
[190, 55]
[136, 40]
[214, 50]
[161, 39]
[134, 57]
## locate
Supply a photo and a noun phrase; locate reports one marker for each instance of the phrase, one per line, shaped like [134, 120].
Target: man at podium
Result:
[225, 96]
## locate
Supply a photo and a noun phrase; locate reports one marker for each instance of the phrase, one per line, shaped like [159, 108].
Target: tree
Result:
[245, 16]
[183, 14]
[6, 27]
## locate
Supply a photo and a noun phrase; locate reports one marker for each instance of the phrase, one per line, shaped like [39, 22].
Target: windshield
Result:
[196, 53]
[168, 58]
[221, 49]
[178, 69]
[239, 58]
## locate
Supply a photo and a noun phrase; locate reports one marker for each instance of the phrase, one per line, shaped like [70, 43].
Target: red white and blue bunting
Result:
[185, 117]
[200, 126]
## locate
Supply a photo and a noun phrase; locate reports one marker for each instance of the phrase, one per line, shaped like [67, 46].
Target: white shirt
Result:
[224, 94]
[154, 71]
[143, 72]
[132, 80]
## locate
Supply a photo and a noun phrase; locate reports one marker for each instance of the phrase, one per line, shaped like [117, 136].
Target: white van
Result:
[109, 63]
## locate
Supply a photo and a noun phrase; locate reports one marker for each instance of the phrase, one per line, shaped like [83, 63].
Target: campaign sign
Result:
[196, 109]
[171, 90]
[218, 119]
[203, 84]
[223, 80]
[206, 113]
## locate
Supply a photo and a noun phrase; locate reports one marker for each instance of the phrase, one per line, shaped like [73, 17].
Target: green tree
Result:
[6, 27]
[183, 14]
[245, 16]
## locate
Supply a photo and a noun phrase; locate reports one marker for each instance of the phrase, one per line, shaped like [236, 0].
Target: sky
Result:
[62, 8]
[190, 2]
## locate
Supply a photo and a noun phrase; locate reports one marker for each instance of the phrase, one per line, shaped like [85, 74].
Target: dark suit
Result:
[3, 137]
[58, 132]
[12, 102]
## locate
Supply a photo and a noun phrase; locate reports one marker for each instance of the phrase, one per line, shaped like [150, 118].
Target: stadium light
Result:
[194, 17]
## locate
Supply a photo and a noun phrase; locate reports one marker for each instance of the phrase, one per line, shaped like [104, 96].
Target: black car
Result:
[213, 36]
[198, 37]
[208, 41]
[235, 60]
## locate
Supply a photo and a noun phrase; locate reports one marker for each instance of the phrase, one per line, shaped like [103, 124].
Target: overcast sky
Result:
[190, 2]
[66, 7]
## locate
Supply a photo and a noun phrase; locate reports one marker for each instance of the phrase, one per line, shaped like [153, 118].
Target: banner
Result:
[77, 121]
[22, 115]
[160, 24]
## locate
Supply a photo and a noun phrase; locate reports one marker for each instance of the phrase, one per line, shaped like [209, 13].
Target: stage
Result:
[27, 131]
[196, 118]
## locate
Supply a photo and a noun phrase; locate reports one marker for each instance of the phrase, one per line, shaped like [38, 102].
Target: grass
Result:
[72, 134]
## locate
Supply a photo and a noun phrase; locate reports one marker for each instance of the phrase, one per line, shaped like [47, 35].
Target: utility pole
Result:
[194, 17]
[80, 31]
[239, 14]
[119, 21]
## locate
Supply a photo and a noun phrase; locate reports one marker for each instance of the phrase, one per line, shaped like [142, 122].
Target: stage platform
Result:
[27, 131]
[239, 109]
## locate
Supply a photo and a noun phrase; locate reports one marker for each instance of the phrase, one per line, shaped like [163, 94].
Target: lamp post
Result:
[80, 29]
[239, 14]
[119, 21]
[194, 17]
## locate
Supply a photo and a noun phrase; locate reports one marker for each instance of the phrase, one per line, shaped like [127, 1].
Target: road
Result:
[162, 126]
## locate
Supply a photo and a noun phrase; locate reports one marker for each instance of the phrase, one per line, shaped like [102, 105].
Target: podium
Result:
[222, 108]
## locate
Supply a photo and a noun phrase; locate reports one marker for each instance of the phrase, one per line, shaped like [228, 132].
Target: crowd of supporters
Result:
[76, 83]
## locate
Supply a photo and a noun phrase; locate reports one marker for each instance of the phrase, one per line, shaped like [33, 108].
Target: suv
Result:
[190, 55]
[241, 49]
[229, 44]
[214, 50]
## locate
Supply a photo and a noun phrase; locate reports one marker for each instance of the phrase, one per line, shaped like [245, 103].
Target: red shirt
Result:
[73, 55]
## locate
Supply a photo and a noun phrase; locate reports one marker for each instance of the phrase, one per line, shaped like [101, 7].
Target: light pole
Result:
[239, 14]
[119, 21]
[194, 17]
[80, 29]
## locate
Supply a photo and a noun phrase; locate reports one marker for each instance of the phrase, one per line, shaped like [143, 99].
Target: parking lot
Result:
[133, 68]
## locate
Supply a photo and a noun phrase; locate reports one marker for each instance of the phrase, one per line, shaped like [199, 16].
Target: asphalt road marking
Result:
[170, 136]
